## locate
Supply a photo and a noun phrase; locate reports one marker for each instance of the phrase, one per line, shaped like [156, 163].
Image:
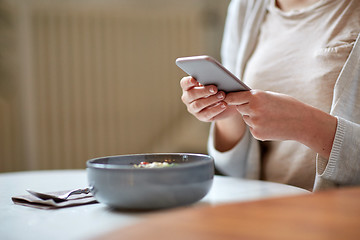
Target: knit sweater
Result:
[244, 160]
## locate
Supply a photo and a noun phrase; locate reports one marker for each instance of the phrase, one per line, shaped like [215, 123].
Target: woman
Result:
[300, 123]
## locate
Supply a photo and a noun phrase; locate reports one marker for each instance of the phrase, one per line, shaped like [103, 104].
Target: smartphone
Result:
[206, 70]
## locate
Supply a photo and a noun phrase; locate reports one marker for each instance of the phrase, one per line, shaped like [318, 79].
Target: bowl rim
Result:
[90, 163]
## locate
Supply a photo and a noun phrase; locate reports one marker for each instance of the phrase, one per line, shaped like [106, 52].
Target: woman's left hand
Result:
[275, 116]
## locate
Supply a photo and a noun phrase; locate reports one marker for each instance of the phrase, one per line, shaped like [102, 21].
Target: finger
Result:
[243, 109]
[238, 98]
[210, 113]
[188, 82]
[197, 93]
[247, 120]
[200, 104]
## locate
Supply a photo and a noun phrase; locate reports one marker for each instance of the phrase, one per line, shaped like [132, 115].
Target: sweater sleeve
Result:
[343, 166]
[242, 161]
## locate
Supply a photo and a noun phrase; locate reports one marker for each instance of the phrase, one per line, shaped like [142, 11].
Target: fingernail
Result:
[212, 90]
[191, 82]
[220, 95]
[222, 105]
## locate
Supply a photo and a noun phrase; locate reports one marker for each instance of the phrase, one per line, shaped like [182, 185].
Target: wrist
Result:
[318, 131]
[228, 132]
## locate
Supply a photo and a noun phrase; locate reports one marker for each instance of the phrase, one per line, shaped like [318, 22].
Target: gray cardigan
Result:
[343, 166]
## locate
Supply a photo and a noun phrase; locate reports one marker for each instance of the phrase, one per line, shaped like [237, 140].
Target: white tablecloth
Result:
[83, 222]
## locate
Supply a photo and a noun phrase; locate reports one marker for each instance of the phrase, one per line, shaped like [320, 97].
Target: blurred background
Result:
[81, 79]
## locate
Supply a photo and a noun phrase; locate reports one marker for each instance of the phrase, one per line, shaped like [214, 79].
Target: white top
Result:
[244, 21]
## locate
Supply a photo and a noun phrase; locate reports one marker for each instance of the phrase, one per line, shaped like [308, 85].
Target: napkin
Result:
[74, 200]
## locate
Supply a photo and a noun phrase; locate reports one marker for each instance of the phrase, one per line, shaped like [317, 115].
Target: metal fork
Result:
[58, 198]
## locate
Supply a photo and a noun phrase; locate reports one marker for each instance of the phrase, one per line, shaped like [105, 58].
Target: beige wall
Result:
[83, 79]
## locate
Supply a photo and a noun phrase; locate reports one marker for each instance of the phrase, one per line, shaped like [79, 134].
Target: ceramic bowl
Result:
[115, 181]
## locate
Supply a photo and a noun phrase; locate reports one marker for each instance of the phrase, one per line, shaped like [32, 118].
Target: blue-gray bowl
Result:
[117, 183]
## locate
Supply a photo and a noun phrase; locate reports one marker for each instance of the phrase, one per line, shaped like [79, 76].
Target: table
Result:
[329, 215]
[83, 222]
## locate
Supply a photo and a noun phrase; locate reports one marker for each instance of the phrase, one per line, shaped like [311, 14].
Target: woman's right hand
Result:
[206, 103]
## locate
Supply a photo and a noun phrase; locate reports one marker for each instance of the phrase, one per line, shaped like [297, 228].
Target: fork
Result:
[58, 198]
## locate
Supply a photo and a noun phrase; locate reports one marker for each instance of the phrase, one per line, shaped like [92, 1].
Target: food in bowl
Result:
[117, 183]
[154, 165]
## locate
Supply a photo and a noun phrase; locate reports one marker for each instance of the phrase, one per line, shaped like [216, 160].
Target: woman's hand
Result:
[206, 103]
[274, 116]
